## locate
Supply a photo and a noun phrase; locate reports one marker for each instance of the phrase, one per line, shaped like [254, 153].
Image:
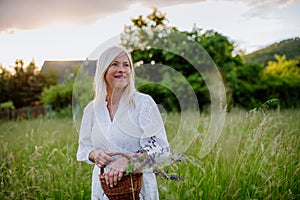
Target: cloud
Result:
[31, 14]
[268, 9]
[269, 2]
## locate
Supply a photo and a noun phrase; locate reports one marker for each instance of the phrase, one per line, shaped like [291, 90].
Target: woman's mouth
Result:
[120, 77]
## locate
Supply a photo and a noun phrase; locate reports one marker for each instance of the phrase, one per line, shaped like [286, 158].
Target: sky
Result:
[72, 29]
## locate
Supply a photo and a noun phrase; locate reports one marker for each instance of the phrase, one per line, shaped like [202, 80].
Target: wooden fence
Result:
[25, 113]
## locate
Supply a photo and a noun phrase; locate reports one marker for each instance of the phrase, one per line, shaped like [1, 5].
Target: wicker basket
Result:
[128, 188]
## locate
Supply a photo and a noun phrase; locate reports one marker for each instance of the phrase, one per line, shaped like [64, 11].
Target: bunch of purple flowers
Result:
[156, 158]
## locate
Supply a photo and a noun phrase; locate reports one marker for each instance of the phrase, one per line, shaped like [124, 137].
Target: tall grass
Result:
[256, 157]
[38, 161]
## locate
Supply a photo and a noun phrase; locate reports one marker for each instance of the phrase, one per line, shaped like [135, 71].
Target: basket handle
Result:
[115, 154]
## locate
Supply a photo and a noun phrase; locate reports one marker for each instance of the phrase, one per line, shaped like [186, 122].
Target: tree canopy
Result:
[23, 85]
[171, 70]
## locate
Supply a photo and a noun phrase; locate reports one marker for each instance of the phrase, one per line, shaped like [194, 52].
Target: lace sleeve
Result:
[154, 138]
[85, 144]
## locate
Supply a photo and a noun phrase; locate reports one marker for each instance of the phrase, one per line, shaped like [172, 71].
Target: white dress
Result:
[130, 130]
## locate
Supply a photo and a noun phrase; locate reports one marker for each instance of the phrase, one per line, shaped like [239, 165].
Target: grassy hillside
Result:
[289, 47]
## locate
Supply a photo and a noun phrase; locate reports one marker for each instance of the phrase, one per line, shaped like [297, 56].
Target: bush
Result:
[7, 105]
[59, 95]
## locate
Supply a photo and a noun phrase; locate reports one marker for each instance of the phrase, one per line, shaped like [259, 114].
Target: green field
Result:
[256, 157]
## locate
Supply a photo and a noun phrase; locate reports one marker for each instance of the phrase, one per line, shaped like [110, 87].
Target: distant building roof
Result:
[61, 68]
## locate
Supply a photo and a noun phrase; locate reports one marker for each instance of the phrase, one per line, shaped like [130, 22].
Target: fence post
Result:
[9, 114]
[50, 110]
[28, 112]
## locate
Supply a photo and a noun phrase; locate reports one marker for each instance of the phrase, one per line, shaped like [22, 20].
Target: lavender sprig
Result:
[156, 159]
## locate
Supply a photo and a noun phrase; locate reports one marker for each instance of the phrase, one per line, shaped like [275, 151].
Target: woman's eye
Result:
[126, 65]
[114, 64]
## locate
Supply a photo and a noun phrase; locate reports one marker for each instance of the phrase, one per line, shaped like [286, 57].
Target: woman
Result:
[120, 119]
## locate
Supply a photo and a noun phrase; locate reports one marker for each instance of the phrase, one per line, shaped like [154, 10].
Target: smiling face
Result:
[118, 73]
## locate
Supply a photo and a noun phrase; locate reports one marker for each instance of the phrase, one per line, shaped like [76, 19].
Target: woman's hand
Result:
[101, 157]
[115, 171]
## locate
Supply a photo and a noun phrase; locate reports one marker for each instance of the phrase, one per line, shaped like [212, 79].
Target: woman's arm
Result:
[85, 144]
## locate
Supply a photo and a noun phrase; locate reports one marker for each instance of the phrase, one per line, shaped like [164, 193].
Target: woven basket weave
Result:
[128, 188]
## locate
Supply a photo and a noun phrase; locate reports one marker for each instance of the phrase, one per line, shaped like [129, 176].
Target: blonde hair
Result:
[103, 63]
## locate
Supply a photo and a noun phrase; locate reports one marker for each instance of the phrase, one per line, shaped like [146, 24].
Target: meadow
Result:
[256, 157]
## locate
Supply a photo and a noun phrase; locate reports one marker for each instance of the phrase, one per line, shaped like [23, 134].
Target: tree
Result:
[247, 92]
[23, 85]
[257, 84]
[5, 76]
[59, 95]
[283, 68]
[249, 85]
[149, 38]
[283, 79]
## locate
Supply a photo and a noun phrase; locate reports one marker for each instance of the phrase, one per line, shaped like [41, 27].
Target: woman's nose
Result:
[121, 68]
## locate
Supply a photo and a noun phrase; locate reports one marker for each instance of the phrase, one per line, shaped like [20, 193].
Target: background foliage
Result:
[248, 84]
[250, 80]
[60, 94]
[23, 84]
